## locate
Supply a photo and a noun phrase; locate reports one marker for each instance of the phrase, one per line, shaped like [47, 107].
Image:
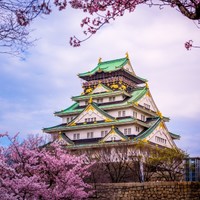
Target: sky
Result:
[33, 88]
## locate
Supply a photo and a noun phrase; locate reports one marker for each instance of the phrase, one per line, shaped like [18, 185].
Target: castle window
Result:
[134, 114]
[137, 128]
[160, 140]
[100, 100]
[113, 139]
[142, 117]
[123, 113]
[68, 119]
[119, 113]
[146, 105]
[125, 131]
[104, 133]
[129, 131]
[90, 134]
[93, 119]
[111, 98]
[76, 136]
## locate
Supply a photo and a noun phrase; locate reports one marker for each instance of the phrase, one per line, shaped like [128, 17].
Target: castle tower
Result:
[115, 107]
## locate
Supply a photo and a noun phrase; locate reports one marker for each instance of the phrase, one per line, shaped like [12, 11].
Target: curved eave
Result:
[136, 96]
[67, 139]
[93, 105]
[103, 94]
[146, 133]
[106, 66]
[67, 110]
[101, 144]
[116, 131]
[64, 127]
[175, 136]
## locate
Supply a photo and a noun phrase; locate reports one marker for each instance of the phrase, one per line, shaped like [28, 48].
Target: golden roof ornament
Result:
[159, 114]
[127, 56]
[59, 135]
[90, 100]
[99, 61]
[147, 85]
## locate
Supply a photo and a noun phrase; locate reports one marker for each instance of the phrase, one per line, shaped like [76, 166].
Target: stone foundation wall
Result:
[148, 191]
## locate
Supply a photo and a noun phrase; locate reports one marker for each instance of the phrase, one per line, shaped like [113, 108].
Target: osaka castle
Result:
[115, 107]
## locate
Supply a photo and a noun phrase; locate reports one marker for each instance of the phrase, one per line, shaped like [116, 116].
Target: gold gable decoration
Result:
[90, 100]
[127, 56]
[159, 114]
[100, 60]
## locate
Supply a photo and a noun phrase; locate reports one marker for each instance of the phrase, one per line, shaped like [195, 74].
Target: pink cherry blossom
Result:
[31, 171]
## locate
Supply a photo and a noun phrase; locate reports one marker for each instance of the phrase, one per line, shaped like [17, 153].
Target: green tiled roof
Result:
[147, 132]
[112, 93]
[68, 110]
[120, 133]
[101, 111]
[81, 126]
[67, 139]
[144, 134]
[117, 131]
[104, 86]
[174, 136]
[138, 94]
[98, 109]
[99, 144]
[107, 66]
[135, 96]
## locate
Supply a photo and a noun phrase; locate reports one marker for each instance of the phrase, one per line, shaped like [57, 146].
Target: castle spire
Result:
[127, 56]
[99, 61]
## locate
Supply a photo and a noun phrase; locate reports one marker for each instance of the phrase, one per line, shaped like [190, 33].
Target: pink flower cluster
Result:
[101, 11]
[188, 45]
[29, 171]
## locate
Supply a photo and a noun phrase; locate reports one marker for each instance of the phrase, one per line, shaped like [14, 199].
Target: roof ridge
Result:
[73, 105]
[66, 138]
[150, 129]
[120, 133]
[108, 61]
[101, 110]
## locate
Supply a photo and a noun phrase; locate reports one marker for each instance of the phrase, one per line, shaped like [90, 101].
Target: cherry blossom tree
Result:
[29, 171]
[16, 16]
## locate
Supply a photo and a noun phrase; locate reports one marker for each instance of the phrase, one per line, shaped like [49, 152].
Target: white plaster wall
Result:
[64, 119]
[148, 100]
[139, 115]
[82, 103]
[105, 100]
[89, 114]
[162, 133]
[99, 89]
[128, 67]
[83, 133]
[129, 112]
[97, 131]
[133, 128]
[114, 113]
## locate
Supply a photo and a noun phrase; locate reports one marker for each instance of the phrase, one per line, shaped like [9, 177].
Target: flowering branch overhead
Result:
[17, 15]
[189, 45]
